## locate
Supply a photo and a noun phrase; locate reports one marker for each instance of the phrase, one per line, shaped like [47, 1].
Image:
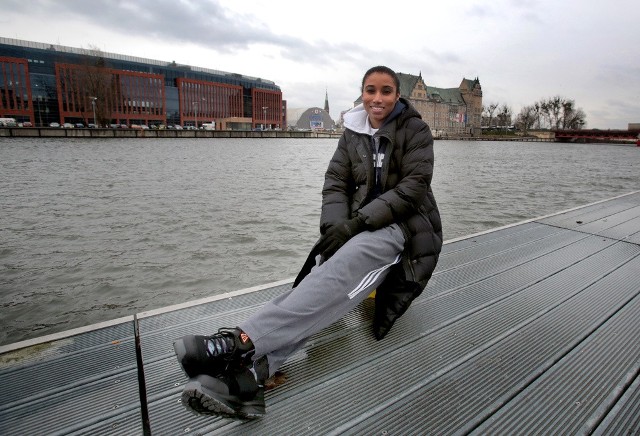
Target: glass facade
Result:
[14, 87]
[44, 83]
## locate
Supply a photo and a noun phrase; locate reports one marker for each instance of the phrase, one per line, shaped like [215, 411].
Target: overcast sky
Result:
[522, 51]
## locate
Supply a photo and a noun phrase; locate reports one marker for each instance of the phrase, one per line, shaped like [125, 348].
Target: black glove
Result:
[336, 236]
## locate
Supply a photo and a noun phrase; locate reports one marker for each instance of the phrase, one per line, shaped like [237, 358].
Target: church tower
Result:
[326, 101]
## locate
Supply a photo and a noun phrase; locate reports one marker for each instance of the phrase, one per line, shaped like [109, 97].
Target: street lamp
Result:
[264, 118]
[195, 105]
[93, 104]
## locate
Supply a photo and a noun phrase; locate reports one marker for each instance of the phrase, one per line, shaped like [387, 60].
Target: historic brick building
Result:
[448, 111]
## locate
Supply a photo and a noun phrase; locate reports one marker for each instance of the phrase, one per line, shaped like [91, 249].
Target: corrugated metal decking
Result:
[531, 328]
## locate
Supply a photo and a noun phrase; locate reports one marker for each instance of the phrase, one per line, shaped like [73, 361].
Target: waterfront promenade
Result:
[527, 328]
[46, 132]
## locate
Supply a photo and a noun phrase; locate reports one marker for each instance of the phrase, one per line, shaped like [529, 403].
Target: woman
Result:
[380, 229]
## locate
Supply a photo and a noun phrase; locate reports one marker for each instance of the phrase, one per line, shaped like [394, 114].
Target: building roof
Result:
[293, 114]
[407, 83]
[445, 95]
[452, 96]
[313, 117]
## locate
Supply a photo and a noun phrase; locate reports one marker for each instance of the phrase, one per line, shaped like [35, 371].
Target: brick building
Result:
[448, 111]
[46, 83]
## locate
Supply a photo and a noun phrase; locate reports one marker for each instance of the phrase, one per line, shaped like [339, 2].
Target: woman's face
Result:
[379, 97]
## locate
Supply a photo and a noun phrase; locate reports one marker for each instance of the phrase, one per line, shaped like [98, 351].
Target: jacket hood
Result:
[357, 118]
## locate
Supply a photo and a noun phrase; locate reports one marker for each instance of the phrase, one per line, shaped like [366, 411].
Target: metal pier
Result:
[529, 328]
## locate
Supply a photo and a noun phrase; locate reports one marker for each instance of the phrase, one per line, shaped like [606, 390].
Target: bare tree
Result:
[487, 114]
[504, 116]
[545, 112]
[557, 113]
[527, 117]
[555, 110]
[572, 118]
[552, 113]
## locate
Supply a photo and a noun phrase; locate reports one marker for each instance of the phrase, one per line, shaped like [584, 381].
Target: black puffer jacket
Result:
[406, 198]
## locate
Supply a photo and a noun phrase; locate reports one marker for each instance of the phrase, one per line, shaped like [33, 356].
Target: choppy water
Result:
[92, 230]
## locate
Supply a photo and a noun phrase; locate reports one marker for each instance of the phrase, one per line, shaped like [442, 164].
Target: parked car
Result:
[8, 122]
[123, 126]
[27, 124]
[79, 126]
[178, 127]
[91, 126]
[67, 126]
[54, 124]
[113, 126]
[144, 127]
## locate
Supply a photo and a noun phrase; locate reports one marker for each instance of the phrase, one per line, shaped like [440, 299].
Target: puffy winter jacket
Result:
[401, 194]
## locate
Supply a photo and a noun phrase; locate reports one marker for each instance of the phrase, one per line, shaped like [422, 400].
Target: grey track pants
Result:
[329, 292]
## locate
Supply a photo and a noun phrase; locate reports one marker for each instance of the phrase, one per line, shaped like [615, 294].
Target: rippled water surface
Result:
[92, 230]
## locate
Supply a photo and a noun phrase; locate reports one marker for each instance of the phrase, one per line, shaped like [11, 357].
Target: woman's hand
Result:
[336, 236]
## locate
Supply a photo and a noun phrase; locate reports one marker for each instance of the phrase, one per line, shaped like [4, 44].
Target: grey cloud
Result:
[210, 25]
[204, 23]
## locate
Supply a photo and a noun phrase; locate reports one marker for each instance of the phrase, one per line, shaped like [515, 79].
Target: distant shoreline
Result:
[51, 132]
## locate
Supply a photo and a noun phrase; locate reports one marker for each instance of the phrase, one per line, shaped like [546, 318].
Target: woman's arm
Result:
[337, 189]
[415, 173]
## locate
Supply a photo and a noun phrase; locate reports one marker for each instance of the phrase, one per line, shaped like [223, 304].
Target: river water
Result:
[92, 229]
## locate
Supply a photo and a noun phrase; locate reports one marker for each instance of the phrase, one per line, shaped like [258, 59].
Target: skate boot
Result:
[236, 393]
[212, 355]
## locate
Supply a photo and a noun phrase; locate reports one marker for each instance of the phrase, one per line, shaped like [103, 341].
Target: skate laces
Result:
[221, 344]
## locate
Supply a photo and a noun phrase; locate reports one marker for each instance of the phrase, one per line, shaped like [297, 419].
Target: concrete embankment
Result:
[495, 138]
[42, 132]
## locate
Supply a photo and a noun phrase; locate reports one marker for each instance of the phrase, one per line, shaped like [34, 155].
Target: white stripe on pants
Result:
[327, 293]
